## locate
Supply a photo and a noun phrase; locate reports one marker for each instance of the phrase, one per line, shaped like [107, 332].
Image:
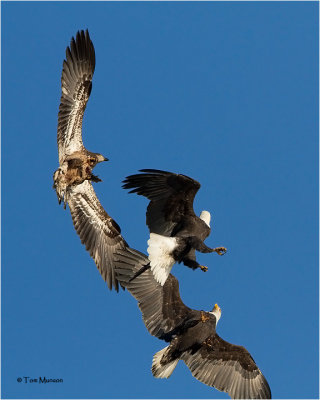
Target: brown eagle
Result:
[76, 162]
[97, 230]
[191, 334]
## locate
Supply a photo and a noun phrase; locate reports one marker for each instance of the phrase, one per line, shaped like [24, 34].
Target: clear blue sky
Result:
[226, 93]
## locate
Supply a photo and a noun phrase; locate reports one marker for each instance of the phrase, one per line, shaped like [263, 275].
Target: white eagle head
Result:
[216, 312]
[206, 217]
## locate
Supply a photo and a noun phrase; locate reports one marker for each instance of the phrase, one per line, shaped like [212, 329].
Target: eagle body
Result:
[170, 213]
[75, 169]
[191, 334]
[196, 328]
[189, 338]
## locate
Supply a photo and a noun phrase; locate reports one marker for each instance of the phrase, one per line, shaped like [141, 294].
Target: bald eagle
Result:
[97, 230]
[176, 232]
[76, 162]
[191, 334]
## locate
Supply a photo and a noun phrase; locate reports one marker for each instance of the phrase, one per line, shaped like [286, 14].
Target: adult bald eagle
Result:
[191, 334]
[76, 162]
[97, 230]
[175, 230]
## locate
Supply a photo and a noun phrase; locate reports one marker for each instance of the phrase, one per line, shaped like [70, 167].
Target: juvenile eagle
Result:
[76, 162]
[175, 230]
[191, 334]
[97, 230]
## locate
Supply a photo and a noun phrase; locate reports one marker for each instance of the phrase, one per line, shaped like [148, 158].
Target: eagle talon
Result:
[220, 250]
[203, 268]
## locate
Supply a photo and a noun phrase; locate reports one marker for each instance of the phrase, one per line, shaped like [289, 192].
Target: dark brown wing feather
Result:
[77, 72]
[171, 197]
[161, 306]
[228, 368]
[97, 230]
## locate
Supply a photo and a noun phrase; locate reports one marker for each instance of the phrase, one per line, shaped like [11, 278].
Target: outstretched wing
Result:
[228, 368]
[162, 308]
[77, 72]
[97, 230]
[171, 197]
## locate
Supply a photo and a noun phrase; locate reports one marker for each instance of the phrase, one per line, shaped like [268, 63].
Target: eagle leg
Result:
[198, 245]
[95, 178]
[193, 264]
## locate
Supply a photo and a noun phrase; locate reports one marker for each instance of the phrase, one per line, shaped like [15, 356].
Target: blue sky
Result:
[224, 92]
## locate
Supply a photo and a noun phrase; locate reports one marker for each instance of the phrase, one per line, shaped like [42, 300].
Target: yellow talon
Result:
[220, 250]
[203, 268]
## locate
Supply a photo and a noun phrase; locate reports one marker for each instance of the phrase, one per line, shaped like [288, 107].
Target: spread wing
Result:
[228, 368]
[76, 86]
[97, 230]
[171, 197]
[162, 308]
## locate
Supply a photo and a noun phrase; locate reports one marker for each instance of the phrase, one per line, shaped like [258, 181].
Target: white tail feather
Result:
[160, 255]
[162, 371]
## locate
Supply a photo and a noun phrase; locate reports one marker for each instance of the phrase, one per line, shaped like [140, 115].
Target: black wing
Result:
[77, 72]
[97, 230]
[228, 368]
[171, 197]
[162, 308]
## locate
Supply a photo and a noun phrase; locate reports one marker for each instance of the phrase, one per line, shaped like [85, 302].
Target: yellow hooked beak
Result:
[217, 307]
